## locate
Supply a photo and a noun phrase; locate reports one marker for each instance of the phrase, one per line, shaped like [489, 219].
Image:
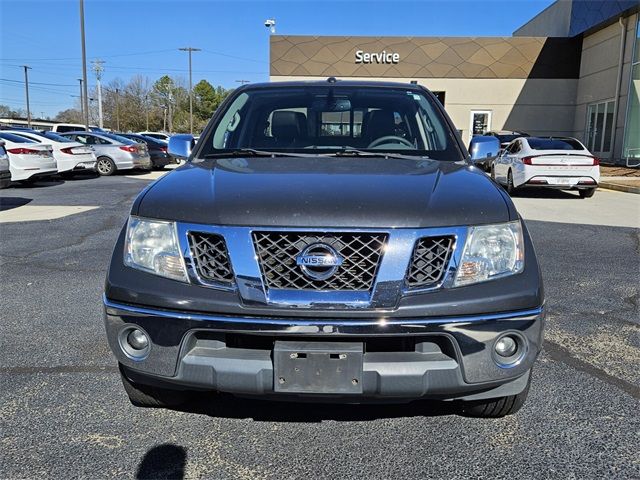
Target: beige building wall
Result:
[598, 77]
[537, 106]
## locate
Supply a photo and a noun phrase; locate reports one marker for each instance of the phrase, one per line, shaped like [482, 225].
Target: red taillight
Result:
[164, 149]
[129, 148]
[68, 150]
[527, 160]
[24, 151]
[596, 161]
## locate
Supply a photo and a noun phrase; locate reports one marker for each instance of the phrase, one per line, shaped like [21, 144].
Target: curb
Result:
[620, 188]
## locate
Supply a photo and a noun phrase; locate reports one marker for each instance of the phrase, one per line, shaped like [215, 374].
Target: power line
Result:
[39, 83]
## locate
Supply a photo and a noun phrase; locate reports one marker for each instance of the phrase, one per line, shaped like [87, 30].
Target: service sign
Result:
[383, 57]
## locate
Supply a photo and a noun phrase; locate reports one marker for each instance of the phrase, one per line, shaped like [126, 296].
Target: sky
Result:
[142, 37]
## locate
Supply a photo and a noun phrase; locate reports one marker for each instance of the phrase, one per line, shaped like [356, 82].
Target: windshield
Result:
[15, 138]
[510, 138]
[55, 137]
[554, 144]
[118, 138]
[333, 118]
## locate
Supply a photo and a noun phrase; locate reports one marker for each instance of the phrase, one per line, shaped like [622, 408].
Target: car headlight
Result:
[152, 246]
[491, 251]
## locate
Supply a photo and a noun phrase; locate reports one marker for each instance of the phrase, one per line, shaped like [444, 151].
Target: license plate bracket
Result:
[318, 367]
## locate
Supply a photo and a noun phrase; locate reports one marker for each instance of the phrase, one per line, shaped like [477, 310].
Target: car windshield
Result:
[332, 119]
[554, 144]
[118, 138]
[15, 138]
[509, 138]
[55, 137]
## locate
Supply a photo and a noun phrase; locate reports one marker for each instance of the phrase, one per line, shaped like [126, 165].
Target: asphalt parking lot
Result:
[64, 414]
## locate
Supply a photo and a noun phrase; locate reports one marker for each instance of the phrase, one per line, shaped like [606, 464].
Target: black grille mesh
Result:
[429, 261]
[209, 253]
[277, 253]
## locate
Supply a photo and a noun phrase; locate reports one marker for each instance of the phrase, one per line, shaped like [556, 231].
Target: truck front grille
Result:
[429, 261]
[278, 251]
[210, 257]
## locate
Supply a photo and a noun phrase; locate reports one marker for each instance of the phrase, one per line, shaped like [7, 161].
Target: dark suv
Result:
[327, 241]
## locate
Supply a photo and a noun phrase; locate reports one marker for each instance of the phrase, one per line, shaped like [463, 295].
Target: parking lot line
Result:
[34, 213]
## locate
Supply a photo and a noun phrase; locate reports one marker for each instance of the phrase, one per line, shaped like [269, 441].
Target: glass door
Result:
[480, 122]
[600, 128]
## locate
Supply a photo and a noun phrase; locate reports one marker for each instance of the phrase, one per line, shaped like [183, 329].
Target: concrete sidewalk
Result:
[626, 184]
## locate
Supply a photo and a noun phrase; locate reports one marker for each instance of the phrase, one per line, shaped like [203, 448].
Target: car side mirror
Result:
[180, 145]
[483, 147]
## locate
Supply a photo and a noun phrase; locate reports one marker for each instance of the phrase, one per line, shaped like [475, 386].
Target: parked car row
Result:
[33, 154]
[518, 160]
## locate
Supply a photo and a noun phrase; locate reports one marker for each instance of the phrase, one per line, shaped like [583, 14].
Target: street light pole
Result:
[26, 87]
[190, 49]
[85, 96]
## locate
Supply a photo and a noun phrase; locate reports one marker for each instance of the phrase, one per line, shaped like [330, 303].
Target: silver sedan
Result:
[114, 152]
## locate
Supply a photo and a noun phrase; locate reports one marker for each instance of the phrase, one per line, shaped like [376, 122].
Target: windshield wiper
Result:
[252, 152]
[354, 152]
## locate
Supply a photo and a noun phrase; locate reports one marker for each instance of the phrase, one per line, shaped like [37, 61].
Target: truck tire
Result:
[496, 407]
[151, 397]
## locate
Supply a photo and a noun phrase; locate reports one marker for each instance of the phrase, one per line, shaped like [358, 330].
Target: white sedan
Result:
[554, 162]
[70, 156]
[27, 159]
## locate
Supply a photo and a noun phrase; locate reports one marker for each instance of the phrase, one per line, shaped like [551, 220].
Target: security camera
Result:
[270, 23]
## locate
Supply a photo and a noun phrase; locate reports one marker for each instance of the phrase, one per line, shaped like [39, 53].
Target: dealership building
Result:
[573, 70]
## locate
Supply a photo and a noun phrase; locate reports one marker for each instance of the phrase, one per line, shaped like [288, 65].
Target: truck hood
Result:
[326, 192]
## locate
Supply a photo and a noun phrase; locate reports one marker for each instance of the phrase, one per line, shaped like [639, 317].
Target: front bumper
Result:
[440, 358]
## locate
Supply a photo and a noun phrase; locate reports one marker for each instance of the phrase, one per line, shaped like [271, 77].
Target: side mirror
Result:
[180, 145]
[482, 147]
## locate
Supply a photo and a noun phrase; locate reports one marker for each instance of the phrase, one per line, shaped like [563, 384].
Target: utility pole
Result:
[85, 96]
[190, 49]
[242, 82]
[81, 99]
[164, 122]
[146, 107]
[98, 69]
[117, 111]
[26, 87]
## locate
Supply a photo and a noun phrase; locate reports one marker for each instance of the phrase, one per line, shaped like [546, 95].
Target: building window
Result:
[631, 146]
[600, 127]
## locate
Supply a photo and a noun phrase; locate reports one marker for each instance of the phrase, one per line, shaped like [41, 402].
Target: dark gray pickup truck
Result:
[327, 241]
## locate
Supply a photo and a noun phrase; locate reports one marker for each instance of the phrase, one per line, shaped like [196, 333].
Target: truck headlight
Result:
[491, 251]
[152, 246]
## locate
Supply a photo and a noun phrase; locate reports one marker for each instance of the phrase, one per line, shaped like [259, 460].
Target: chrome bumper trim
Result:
[323, 325]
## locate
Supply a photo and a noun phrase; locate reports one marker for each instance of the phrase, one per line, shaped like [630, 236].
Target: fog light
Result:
[506, 347]
[137, 339]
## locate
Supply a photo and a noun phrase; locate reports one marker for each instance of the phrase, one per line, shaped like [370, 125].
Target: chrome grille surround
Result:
[277, 252]
[429, 261]
[210, 258]
[388, 288]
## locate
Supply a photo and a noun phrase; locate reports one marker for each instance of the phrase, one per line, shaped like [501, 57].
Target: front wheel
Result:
[511, 189]
[105, 166]
[151, 397]
[587, 192]
[496, 407]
